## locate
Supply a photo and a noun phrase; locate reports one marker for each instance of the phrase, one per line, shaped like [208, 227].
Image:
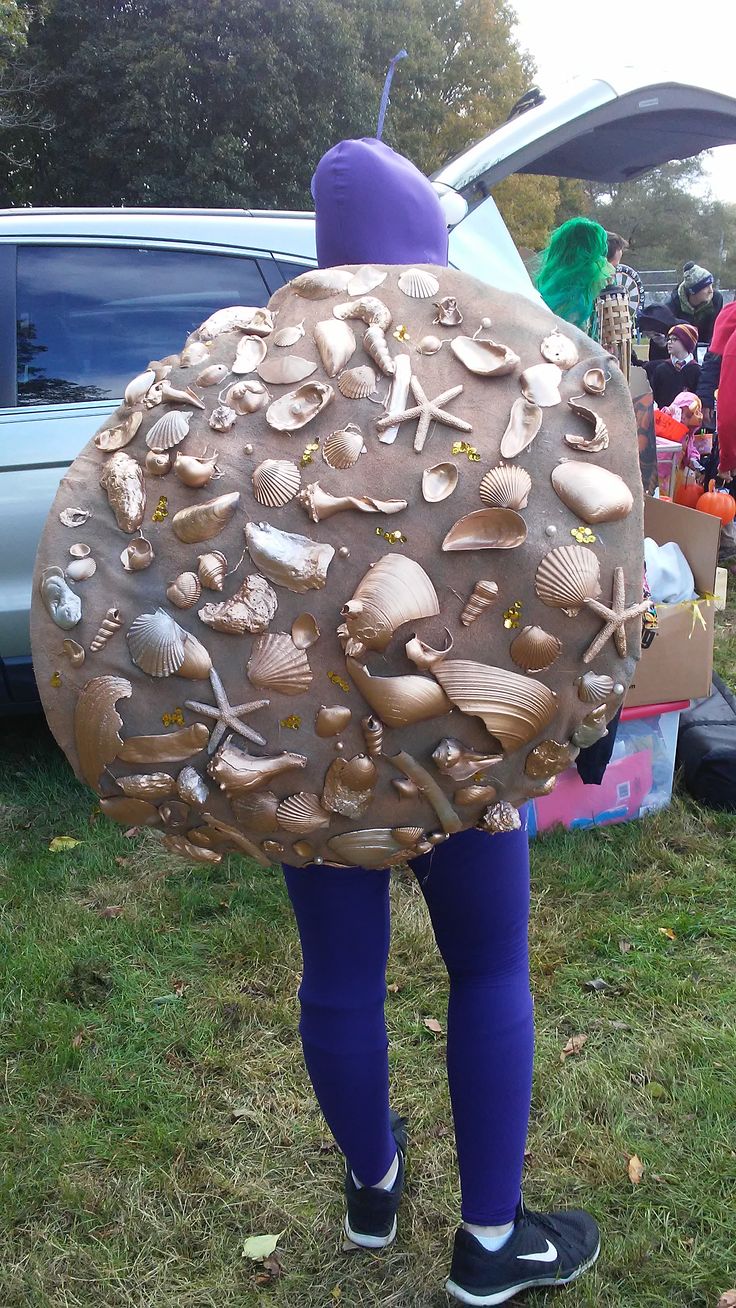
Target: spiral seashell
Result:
[448, 313]
[399, 701]
[157, 463]
[275, 482]
[483, 595]
[185, 590]
[321, 283]
[343, 448]
[222, 418]
[592, 728]
[139, 387]
[439, 482]
[156, 644]
[286, 336]
[72, 650]
[368, 309]
[277, 664]
[366, 279]
[165, 392]
[336, 344]
[203, 521]
[559, 349]
[429, 345]
[594, 687]
[192, 788]
[169, 430]
[594, 381]
[296, 408]
[453, 759]
[418, 284]
[376, 347]
[394, 591]
[331, 720]
[123, 483]
[213, 375]
[591, 444]
[540, 384]
[245, 397]
[250, 609]
[487, 529]
[591, 492]
[195, 470]
[566, 577]
[514, 709]
[484, 358]
[506, 487]
[349, 786]
[535, 649]
[372, 729]
[211, 570]
[119, 430]
[111, 623]
[524, 423]
[304, 631]
[251, 351]
[357, 383]
[302, 813]
[286, 370]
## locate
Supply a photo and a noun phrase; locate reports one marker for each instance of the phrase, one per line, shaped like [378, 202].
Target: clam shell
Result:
[294, 410]
[250, 609]
[194, 352]
[211, 569]
[286, 336]
[81, 569]
[193, 470]
[591, 492]
[540, 384]
[277, 664]
[487, 529]
[245, 396]
[138, 387]
[157, 463]
[302, 814]
[321, 283]
[250, 352]
[524, 423]
[399, 701]
[594, 687]
[566, 577]
[343, 448]
[185, 590]
[285, 369]
[514, 709]
[119, 430]
[368, 309]
[448, 313]
[535, 649]
[366, 279]
[288, 559]
[594, 381]
[439, 481]
[304, 631]
[169, 430]
[156, 644]
[592, 444]
[336, 344]
[429, 345]
[275, 482]
[559, 349]
[332, 719]
[357, 383]
[484, 358]
[506, 487]
[394, 591]
[212, 375]
[418, 284]
[376, 347]
[203, 521]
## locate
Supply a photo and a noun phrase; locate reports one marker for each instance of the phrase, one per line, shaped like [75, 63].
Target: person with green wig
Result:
[574, 269]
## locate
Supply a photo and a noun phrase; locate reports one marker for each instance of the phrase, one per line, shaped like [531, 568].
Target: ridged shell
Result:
[371, 311]
[366, 279]
[594, 687]
[376, 347]
[302, 814]
[484, 358]
[286, 336]
[439, 482]
[211, 569]
[169, 430]
[277, 664]
[418, 284]
[487, 529]
[566, 577]
[321, 283]
[111, 623]
[399, 701]
[285, 369]
[304, 631]
[594, 381]
[540, 384]
[336, 344]
[119, 430]
[524, 423]
[483, 595]
[588, 444]
[97, 725]
[513, 708]
[535, 649]
[331, 720]
[157, 463]
[257, 813]
[294, 410]
[250, 352]
[192, 788]
[275, 482]
[156, 644]
[123, 483]
[203, 521]
[394, 591]
[185, 590]
[559, 349]
[212, 375]
[506, 487]
[357, 383]
[591, 492]
[343, 448]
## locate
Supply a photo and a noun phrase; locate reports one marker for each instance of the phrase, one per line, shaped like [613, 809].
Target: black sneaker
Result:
[371, 1217]
[544, 1249]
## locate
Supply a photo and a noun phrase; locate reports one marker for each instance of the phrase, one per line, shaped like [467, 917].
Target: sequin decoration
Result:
[512, 616]
[55, 679]
[462, 447]
[402, 333]
[292, 723]
[175, 719]
[161, 510]
[583, 535]
[337, 680]
[308, 454]
[393, 537]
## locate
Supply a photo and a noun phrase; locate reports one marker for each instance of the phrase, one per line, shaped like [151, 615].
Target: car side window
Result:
[91, 317]
[290, 270]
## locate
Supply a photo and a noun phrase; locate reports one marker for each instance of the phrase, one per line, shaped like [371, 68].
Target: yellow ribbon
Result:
[697, 616]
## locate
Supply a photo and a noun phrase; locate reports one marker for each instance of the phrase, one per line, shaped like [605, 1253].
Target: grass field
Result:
[154, 1111]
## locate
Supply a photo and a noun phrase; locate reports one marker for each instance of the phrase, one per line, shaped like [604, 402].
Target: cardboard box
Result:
[679, 662]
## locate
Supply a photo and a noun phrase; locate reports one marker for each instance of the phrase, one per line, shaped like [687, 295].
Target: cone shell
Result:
[514, 709]
[275, 482]
[169, 430]
[487, 529]
[566, 577]
[376, 347]
[277, 664]
[394, 591]
[294, 410]
[594, 381]
[285, 369]
[321, 283]
[332, 719]
[211, 569]
[484, 358]
[302, 814]
[336, 344]
[185, 590]
[592, 492]
[213, 375]
[439, 482]
[156, 644]
[535, 649]
[417, 283]
[343, 448]
[357, 383]
[506, 487]
[366, 279]
[250, 352]
[559, 349]
[524, 423]
[203, 521]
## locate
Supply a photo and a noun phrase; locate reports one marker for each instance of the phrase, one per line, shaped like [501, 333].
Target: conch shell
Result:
[336, 344]
[320, 504]
[349, 786]
[223, 418]
[524, 423]
[237, 772]
[399, 701]
[122, 482]
[455, 760]
[203, 521]
[250, 609]
[287, 559]
[514, 709]
[277, 664]
[394, 591]
[97, 725]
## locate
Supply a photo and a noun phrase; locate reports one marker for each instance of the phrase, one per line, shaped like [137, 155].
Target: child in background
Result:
[681, 371]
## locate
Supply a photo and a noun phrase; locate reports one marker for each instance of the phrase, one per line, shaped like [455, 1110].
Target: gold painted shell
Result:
[357, 383]
[286, 336]
[304, 631]
[399, 701]
[374, 847]
[157, 463]
[285, 369]
[257, 812]
[484, 358]
[222, 418]
[487, 529]
[123, 482]
[376, 347]
[332, 719]
[169, 430]
[119, 430]
[296, 408]
[147, 785]
[368, 309]
[212, 375]
[156, 644]
[277, 664]
[111, 623]
[72, 650]
[97, 725]
[349, 785]
[514, 709]
[211, 569]
[250, 352]
[185, 590]
[394, 591]
[591, 492]
[588, 444]
[251, 609]
[302, 814]
[566, 577]
[336, 344]
[558, 348]
[594, 381]
[418, 283]
[195, 470]
[548, 758]
[138, 387]
[203, 521]
[275, 482]
[429, 345]
[439, 482]
[366, 279]
[423, 655]
[483, 595]
[321, 283]
[595, 687]
[535, 649]
[193, 352]
[287, 558]
[343, 448]
[524, 423]
[540, 384]
[506, 487]
[137, 555]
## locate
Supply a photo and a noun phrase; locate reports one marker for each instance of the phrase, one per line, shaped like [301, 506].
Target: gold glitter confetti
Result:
[583, 535]
[175, 719]
[55, 679]
[338, 681]
[393, 537]
[307, 454]
[161, 511]
[402, 333]
[512, 616]
[293, 722]
[462, 447]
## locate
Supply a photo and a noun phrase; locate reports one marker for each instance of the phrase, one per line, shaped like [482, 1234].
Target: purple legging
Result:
[477, 891]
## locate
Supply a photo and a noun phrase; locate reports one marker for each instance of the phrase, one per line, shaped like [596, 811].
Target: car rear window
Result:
[91, 317]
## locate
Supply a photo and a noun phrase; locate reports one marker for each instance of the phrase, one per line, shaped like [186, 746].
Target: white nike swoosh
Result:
[547, 1255]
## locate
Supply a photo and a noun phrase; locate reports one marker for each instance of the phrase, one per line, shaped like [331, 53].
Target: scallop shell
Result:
[535, 649]
[97, 725]
[399, 701]
[514, 709]
[277, 664]
[302, 814]
[169, 430]
[343, 448]
[195, 470]
[81, 569]
[304, 631]
[73, 651]
[139, 387]
[484, 594]
[156, 644]
[321, 283]
[487, 529]
[275, 482]
[212, 375]
[429, 345]
[418, 284]
[245, 397]
[394, 591]
[559, 349]
[448, 313]
[357, 383]
[540, 384]
[250, 609]
[250, 352]
[336, 344]
[157, 463]
[592, 444]
[119, 430]
[484, 358]
[591, 492]
[439, 481]
[185, 590]
[376, 347]
[506, 487]
[594, 687]
[203, 521]
[349, 785]
[368, 309]
[566, 577]
[286, 336]
[366, 279]
[286, 369]
[294, 410]
[594, 381]
[524, 423]
[257, 813]
[288, 559]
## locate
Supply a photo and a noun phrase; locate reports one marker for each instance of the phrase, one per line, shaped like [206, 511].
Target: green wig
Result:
[573, 270]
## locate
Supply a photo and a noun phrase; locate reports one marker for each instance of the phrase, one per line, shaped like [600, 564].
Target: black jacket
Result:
[705, 322]
[667, 382]
[710, 374]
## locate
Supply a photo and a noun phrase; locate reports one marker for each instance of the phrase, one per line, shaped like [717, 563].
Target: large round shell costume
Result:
[385, 602]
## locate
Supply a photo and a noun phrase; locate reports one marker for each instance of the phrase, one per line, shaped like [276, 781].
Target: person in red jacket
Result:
[724, 344]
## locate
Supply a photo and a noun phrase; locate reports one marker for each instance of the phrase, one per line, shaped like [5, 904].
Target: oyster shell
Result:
[595, 687]
[524, 423]
[211, 569]
[277, 664]
[250, 352]
[418, 283]
[62, 604]
[540, 384]
[285, 370]
[394, 591]
[286, 336]
[195, 470]
[591, 492]
[213, 375]
[321, 283]
[487, 529]
[559, 349]
[336, 344]
[111, 623]
[513, 709]
[296, 408]
[97, 725]
[320, 504]
[222, 418]
[399, 701]
[535, 649]
[169, 430]
[343, 448]
[592, 444]
[147, 785]
[244, 397]
[483, 595]
[506, 487]
[376, 347]
[448, 313]
[484, 358]
[119, 430]
[122, 482]
[357, 383]
[275, 482]
[185, 590]
[74, 517]
[331, 720]
[203, 521]
[594, 381]
[349, 785]
[365, 279]
[157, 463]
[287, 559]
[368, 309]
[455, 760]
[566, 577]
[439, 481]
[250, 609]
[237, 773]
[304, 631]
[173, 747]
[192, 788]
[302, 813]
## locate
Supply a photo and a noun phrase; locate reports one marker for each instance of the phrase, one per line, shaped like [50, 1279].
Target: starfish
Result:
[615, 618]
[427, 411]
[227, 715]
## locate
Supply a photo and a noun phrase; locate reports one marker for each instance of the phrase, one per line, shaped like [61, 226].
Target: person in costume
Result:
[697, 301]
[574, 269]
[681, 371]
[372, 205]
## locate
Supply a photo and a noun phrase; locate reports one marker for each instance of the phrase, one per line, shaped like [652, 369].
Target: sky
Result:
[681, 40]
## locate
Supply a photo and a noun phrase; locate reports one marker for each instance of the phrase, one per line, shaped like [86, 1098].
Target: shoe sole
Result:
[370, 1241]
[500, 1296]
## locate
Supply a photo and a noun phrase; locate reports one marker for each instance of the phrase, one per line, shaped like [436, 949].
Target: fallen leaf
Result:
[727, 1300]
[121, 862]
[258, 1247]
[271, 1269]
[178, 987]
[348, 1247]
[597, 984]
[625, 946]
[328, 1146]
[433, 1025]
[238, 1114]
[112, 910]
[132, 831]
[393, 988]
[63, 842]
[336, 1293]
[668, 932]
[619, 1026]
[573, 1046]
[78, 1040]
[635, 1169]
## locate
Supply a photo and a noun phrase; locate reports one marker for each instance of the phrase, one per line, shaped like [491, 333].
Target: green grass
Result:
[128, 1042]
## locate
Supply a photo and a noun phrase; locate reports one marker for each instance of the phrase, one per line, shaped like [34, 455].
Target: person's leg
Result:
[344, 926]
[477, 891]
